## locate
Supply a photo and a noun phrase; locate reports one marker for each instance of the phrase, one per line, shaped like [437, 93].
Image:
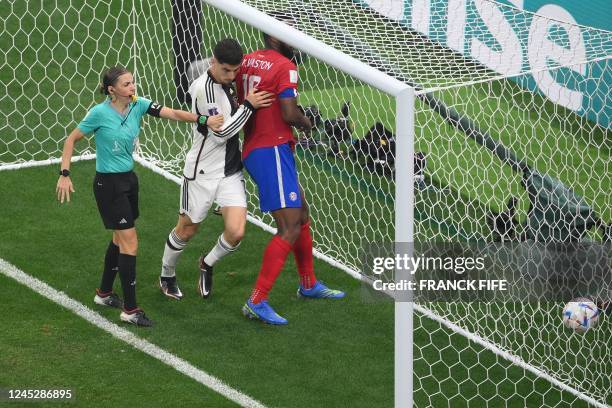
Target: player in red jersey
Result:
[268, 157]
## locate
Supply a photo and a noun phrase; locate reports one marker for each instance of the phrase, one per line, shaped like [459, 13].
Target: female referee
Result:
[115, 124]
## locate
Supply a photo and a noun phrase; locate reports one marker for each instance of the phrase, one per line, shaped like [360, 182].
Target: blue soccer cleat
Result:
[320, 291]
[262, 311]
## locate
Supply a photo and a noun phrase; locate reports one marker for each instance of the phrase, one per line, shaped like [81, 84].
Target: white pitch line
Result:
[127, 336]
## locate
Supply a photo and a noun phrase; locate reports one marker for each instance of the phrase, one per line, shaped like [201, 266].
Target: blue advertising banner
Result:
[508, 39]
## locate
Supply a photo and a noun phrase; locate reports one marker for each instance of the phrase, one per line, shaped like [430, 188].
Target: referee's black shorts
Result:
[117, 198]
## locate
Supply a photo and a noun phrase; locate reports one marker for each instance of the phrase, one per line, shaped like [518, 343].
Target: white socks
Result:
[221, 249]
[172, 251]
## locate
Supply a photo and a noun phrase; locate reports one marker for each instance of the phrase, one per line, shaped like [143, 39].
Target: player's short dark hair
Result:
[110, 77]
[228, 51]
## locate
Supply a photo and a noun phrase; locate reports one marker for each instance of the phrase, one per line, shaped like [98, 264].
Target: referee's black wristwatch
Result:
[64, 172]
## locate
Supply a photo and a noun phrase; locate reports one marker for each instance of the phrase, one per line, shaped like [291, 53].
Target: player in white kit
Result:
[213, 168]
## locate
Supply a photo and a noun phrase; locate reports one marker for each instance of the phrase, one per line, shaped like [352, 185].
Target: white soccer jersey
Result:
[215, 154]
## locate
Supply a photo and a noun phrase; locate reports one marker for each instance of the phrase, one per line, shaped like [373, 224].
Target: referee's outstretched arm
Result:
[64, 184]
[213, 122]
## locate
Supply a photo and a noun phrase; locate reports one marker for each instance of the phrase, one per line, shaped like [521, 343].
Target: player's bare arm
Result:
[64, 184]
[292, 115]
[174, 114]
[213, 122]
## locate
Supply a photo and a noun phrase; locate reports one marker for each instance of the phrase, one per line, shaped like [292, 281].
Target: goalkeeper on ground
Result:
[213, 168]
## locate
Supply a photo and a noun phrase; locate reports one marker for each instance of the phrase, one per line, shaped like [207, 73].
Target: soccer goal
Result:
[472, 122]
[421, 138]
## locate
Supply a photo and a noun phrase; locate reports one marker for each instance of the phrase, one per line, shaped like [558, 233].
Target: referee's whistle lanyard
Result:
[126, 118]
[128, 114]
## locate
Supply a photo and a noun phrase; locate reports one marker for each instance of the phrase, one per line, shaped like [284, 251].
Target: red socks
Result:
[273, 260]
[302, 251]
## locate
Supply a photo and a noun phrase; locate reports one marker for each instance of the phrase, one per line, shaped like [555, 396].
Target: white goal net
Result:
[511, 119]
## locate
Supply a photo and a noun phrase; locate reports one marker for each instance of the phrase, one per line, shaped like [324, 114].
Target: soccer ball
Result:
[580, 315]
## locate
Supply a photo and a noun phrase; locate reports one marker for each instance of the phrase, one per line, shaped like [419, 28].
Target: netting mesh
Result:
[461, 185]
[51, 60]
[551, 173]
[338, 188]
[474, 186]
[458, 50]
[548, 138]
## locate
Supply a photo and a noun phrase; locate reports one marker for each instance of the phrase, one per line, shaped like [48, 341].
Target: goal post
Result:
[404, 237]
[404, 180]
[472, 159]
[426, 131]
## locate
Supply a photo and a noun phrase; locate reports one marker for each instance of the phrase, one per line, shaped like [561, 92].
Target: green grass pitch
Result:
[325, 344]
[328, 355]
[332, 354]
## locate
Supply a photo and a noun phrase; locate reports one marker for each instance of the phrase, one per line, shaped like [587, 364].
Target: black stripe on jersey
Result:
[236, 125]
[205, 134]
[202, 129]
[237, 122]
[233, 161]
[210, 91]
[230, 97]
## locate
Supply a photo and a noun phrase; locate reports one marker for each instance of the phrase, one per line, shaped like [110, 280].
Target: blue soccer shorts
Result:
[275, 173]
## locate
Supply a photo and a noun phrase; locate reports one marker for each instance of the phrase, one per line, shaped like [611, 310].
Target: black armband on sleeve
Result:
[248, 105]
[154, 109]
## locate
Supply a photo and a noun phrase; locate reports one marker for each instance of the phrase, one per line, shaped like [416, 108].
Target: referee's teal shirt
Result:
[115, 134]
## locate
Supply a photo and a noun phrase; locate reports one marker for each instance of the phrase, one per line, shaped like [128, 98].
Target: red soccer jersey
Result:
[267, 70]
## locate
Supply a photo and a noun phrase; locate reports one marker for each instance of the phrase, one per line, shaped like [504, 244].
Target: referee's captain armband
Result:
[154, 109]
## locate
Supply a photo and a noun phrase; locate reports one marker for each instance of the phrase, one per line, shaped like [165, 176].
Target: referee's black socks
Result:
[111, 266]
[127, 274]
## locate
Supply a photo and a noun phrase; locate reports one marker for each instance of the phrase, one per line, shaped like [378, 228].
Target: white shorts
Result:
[197, 196]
